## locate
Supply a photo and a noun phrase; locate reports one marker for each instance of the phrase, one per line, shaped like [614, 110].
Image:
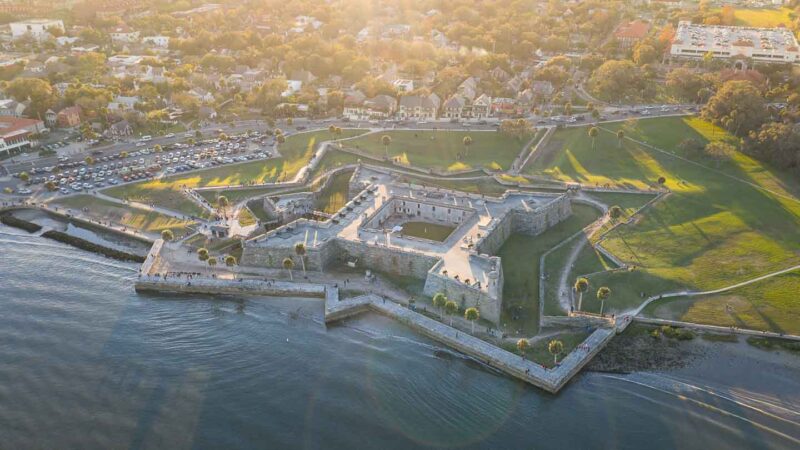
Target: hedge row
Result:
[83, 244]
[30, 227]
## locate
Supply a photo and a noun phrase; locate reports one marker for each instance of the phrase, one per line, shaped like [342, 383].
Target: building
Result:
[403, 85]
[69, 117]
[156, 41]
[35, 28]
[17, 134]
[771, 45]
[419, 106]
[119, 130]
[631, 33]
[124, 35]
[11, 108]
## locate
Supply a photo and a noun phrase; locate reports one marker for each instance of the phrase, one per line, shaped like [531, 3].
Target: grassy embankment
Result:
[723, 223]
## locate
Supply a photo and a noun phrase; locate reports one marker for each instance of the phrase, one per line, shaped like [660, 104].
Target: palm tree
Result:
[593, 132]
[472, 315]
[51, 186]
[212, 261]
[615, 212]
[332, 130]
[158, 148]
[386, 140]
[602, 294]
[439, 300]
[24, 177]
[581, 286]
[555, 347]
[662, 180]
[467, 141]
[167, 235]
[450, 308]
[300, 250]
[568, 108]
[522, 346]
[202, 254]
[89, 160]
[289, 121]
[123, 155]
[288, 264]
[230, 261]
[223, 137]
[620, 137]
[280, 139]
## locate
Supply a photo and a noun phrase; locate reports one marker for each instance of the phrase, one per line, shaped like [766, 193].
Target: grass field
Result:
[444, 150]
[763, 17]
[139, 219]
[296, 152]
[425, 230]
[246, 218]
[520, 257]
[539, 352]
[761, 306]
[334, 196]
[717, 227]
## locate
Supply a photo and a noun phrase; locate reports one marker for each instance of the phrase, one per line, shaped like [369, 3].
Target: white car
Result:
[170, 135]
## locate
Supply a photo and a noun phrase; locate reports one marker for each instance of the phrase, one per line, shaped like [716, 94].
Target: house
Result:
[354, 106]
[69, 117]
[50, 118]
[120, 129]
[631, 33]
[403, 85]
[543, 89]
[38, 29]
[418, 106]
[453, 107]
[63, 41]
[502, 106]
[482, 107]
[292, 87]
[499, 74]
[123, 104]
[201, 95]
[380, 107]
[11, 108]
[124, 35]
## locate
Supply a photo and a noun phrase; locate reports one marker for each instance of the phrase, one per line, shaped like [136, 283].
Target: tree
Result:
[620, 137]
[332, 130]
[581, 286]
[450, 307]
[38, 91]
[467, 141]
[685, 84]
[439, 300]
[51, 186]
[300, 250]
[157, 148]
[202, 254]
[288, 264]
[615, 212]
[602, 294]
[222, 203]
[167, 235]
[662, 180]
[644, 54]
[230, 261]
[280, 139]
[212, 262]
[555, 347]
[718, 151]
[618, 80]
[568, 108]
[89, 160]
[738, 106]
[472, 315]
[522, 346]
[775, 142]
[593, 132]
[386, 140]
[24, 177]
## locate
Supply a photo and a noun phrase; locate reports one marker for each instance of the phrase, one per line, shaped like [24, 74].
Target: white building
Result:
[157, 41]
[36, 28]
[759, 44]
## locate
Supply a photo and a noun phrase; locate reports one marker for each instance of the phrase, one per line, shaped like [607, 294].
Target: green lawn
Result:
[589, 261]
[539, 353]
[763, 18]
[425, 230]
[139, 219]
[246, 218]
[520, 257]
[715, 229]
[761, 306]
[334, 196]
[296, 152]
[444, 150]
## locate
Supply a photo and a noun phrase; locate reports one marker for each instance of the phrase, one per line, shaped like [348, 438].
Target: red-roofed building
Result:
[631, 33]
[69, 117]
[15, 133]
